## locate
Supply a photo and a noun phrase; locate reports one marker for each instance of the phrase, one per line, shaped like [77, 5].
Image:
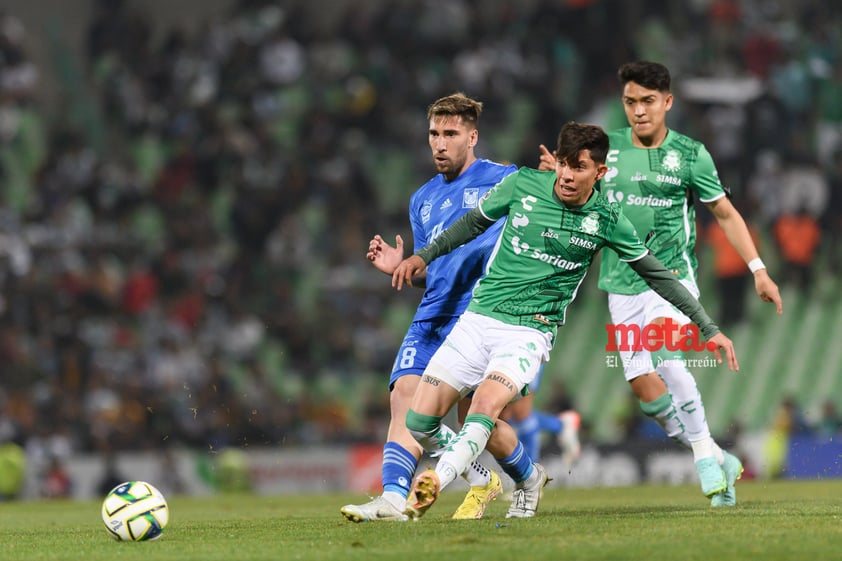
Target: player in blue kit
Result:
[529, 425]
[461, 181]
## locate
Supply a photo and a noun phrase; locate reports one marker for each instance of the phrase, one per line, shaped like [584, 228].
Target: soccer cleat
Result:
[711, 476]
[525, 497]
[568, 438]
[733, 469]
[424, 492]
[376, 509]
[473, 507]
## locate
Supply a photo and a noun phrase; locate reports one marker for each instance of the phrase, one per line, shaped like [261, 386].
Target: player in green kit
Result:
[654, 174]
[556, 223]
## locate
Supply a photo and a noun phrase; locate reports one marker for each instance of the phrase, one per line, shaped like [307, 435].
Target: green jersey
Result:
[544, 250]
[655, 188]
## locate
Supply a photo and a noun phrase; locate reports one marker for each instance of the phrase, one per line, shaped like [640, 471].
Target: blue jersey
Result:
[432, 209]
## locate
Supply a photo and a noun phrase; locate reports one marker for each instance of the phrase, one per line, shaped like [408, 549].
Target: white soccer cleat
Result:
[525, 497]
[376, 509]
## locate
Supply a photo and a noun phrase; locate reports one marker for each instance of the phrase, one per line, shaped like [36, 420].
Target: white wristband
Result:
[755, 265]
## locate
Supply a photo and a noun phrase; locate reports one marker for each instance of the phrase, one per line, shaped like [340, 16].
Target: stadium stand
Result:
[185, 209]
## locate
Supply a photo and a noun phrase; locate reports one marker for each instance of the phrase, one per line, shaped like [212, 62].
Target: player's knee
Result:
[403, 390]
[648, 387]
[422, 426]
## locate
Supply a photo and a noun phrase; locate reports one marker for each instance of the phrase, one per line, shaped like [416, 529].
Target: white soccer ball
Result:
[135, 511]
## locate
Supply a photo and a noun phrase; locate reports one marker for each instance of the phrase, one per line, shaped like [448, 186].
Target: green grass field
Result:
[777, 520]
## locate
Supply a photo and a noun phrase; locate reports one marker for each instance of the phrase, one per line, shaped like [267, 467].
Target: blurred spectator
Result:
[111, 475]
[798, 236]
[765, 185]
[732, 276]
[832, 224]
[790, 417]
[788, 421]
[726, 124]
[12, 470]
[233, 474]
[18, 75]
[830, 423]
[169, 480]
[761, 49]
[56, 483]
[829, 114]
[804, 185]
[791, 82]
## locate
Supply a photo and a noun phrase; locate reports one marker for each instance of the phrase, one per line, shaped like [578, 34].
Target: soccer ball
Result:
[135, 511]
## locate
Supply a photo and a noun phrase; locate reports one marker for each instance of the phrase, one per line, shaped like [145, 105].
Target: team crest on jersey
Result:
[590, 224]
[671, 161]
[426, 208]
[470, 197]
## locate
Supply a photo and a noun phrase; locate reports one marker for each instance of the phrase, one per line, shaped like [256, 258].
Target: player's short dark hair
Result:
[650, 75]
[575, 137]
[457, 104]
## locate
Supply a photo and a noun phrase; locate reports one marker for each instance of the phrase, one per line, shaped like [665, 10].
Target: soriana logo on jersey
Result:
[670, 336]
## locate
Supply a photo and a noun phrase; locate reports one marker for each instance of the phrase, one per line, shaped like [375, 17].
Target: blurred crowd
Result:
[182, 249]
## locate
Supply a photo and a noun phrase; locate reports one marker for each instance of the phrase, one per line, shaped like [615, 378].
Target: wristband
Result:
[755, 265]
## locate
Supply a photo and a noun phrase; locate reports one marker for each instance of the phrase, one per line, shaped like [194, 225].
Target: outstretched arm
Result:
[387, 258]
[383, 256]
[732, 223]
[469, 226]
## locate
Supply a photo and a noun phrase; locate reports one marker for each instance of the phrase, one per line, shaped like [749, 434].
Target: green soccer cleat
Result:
[733, 469]
[478, 498]
[711, 476]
